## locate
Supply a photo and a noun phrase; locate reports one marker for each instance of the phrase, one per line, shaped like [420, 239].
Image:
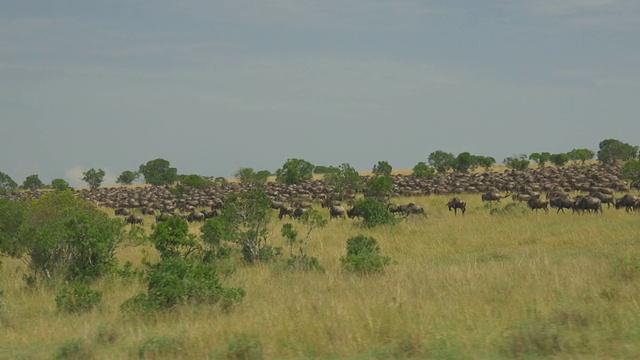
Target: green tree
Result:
[379, 187]
[363, 256]
[344, 179]
[12, 216]
[465, 162]
[441, 161]
[66, 237]
[60, 185]
[6, 183]
[295, 171]
[382, 168]
[423, 171]
[32, 182]
[540, 158]
[485, 161]
[631, 171]
[374, 212]
[517, 162]
[310, 220]
[249, 176]
[612, 151]
[127, 177]
[559, 159]
[195, 181]
[321, 169]
[159, 172]
[581, 155]
[93, 177]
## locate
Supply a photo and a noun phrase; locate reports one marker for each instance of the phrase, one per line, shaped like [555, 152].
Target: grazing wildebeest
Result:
[537, 203]
[134, 219]
[628, 201]
[336, 211]
[456, 204]
[588, 203]
[492, 196]
[562, 203]
[604, 198]
[285, 211]
[122, 212]
[412, 209]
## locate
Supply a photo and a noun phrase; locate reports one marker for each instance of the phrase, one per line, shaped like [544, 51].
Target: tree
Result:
[12, 216]
[486, 162]
[559, 159]
[32, 182]
[382, 168]
[424, 171]
[517, 162]
[6, 183]
[612, 151]
[379, 187]
[540, 158]
[581, 155]
[363, 256]
[441, 161]
[65, 237]
[465, 162]
[93, 177]
[195, 181]
[60, 185]
[631, 171]
[248, 176]
[159, 172]
[127, 177]
[295, 171]
[344, 179]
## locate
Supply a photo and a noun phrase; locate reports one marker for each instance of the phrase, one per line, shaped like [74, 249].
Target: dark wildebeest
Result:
[589, 203]
[492, 196]
[195, 216]
[562, 203]
[604, 198]
[336, 211]
[298, 212]
[628, 201]
[122, 212]
[285, 211]
[148, 211]
[521, 197]
[537, 203]
[210, 214]
[134, 219]
[412, 209]
[456, 204]
[354, 212]
[163, 217]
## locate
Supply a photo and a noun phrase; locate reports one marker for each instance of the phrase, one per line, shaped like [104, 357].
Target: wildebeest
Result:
[285, 211]
[628, 201]
[456, 204]
[562, 203]
[588, 203]
[148, 211]
[354, 212]
[537, 203]
[298, 212]
[195, 216]
[521, 197]
[412, 209]
[134, 219]
[163, 217]
[122, 212]
[492, 196]
[336, 211]
[604, 198]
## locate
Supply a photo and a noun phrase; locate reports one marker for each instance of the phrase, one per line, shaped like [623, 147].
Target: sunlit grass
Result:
[478, 286]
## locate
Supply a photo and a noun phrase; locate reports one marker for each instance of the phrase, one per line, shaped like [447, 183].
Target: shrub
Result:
[160, 347]
[244, 347]
[363, 256]
[77, 298]
[75, 349]
[374, 213]
[423, 171]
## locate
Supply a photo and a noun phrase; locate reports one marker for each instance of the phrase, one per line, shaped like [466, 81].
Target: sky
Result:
[217, 85]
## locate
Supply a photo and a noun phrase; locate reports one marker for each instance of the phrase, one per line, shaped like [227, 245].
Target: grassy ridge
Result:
[517, 284]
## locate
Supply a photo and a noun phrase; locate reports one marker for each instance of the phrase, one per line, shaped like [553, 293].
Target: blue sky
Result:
[213, 86]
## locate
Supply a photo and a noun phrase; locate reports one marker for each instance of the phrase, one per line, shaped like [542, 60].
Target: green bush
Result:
[374, 213]
[363, 256]
[77, 298]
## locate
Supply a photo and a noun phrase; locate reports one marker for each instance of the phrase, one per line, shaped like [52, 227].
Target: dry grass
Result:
[476, 286]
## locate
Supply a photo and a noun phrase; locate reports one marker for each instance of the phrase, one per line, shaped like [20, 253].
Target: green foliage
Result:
[60, 185]
[65, 237]
[248, 176]
[560, 159]
[517, 162]
[32, 182]
[244, 347]
[160, 347]
[172, 239]
[441, 160]
[374, 212]
[321, 169]
[93, 177]
[612, 151]
[363, 256]
[127, 177]
[77, 298]
[382, 168]
[344, 179]
[631, 171]
[485, 162]
[465, 162]
[159, 172]
[379, 187]
[295, 171]
[195, 181]
[12, 216]
[581, 155]
[310, 220]
[540, 158]
[6, 183]
[423, 171]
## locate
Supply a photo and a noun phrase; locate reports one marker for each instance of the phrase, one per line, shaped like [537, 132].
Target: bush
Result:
[77, 298]
[363, 256]
[374, 213]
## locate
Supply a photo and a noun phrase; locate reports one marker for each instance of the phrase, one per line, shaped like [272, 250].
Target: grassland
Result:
[479, 286]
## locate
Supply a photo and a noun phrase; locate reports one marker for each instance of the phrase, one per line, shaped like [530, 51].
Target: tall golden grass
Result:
[478, 286]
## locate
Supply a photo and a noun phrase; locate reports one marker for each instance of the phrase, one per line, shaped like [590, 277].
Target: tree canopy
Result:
[294, 171]
[612, 151]
[382, 168]
[6, 183]
[32, 182]
[93, 177]
[159, 172]
[441, 160]
[127, 177]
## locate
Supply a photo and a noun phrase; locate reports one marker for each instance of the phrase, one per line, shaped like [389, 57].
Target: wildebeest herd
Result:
[580, 188]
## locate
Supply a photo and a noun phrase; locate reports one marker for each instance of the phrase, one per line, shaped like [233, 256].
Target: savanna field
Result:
[516, 284]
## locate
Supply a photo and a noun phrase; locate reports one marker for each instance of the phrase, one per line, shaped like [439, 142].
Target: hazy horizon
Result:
[213, 86]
